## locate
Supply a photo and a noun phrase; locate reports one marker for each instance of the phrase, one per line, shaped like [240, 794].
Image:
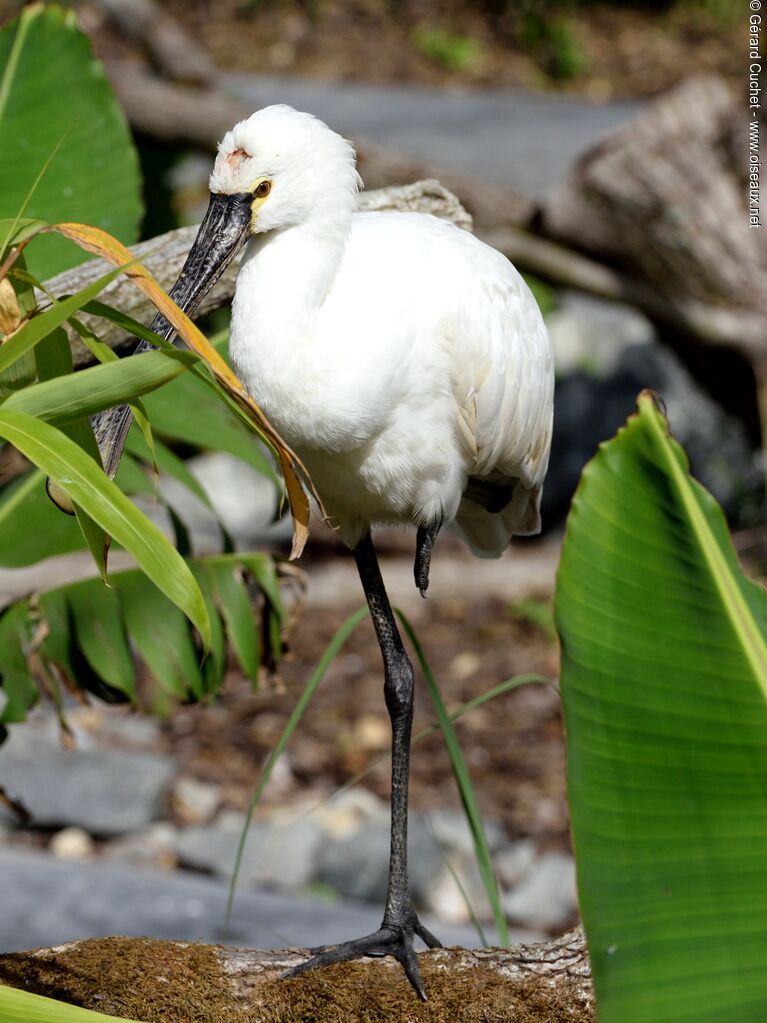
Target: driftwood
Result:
[682, 319]
[173, 50]
[662, 199]
[175, 982]
[163, 256]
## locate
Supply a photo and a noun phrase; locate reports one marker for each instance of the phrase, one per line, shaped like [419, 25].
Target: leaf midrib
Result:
[734, 603]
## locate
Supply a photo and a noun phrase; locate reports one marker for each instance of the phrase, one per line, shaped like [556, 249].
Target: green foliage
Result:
[24, 1007]
[85, 634]
[554, 39]
[450, 51]
[538, 613]
[179, 613]
[664, 684]
[53, 93]
[543, 293]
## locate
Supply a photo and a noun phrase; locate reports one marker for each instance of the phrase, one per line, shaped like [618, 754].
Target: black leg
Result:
[423, 544]
[400, 923]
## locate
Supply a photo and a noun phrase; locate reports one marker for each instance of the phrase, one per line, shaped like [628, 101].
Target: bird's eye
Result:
[262, 189]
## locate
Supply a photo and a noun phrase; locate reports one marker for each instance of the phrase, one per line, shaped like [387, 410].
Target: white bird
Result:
[406, 363]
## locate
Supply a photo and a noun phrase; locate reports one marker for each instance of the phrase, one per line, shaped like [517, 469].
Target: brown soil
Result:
[513, 744]
[600, 50]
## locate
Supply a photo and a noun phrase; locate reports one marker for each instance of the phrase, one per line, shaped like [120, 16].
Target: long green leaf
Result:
[71, 397]
[78, 475]
[231, 596]
[53, 358]
[100, 632]
[40, 326]
[24, 1007]
[465, 787]
[161, 636]
[87, 635]
[664, 685]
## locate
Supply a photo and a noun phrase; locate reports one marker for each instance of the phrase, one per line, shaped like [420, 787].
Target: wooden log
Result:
[682, 320]
[662, 199]
[175, 982]
[174, 52]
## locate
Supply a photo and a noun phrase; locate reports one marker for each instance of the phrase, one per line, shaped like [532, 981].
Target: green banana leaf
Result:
[88, 634]
[664, 685]
[53, 93]
[24, 1007]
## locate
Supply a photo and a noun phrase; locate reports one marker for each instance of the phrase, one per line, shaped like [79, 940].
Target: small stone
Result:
[547, 896]
[372, 732]
[464, 665]
[452, 832]
[279, 855]
[280, 780]
[71, 844]
[344, 814]
[195, 801]
[153, 848]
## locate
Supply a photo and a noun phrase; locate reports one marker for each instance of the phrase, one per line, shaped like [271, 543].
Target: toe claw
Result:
[409, 961]
[426, 936]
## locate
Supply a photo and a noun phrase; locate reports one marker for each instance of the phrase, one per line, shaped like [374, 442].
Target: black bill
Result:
[222, 233]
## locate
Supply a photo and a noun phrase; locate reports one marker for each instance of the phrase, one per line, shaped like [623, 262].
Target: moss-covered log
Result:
[176, 982]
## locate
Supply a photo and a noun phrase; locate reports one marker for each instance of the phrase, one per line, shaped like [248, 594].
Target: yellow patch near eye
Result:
[261, 190]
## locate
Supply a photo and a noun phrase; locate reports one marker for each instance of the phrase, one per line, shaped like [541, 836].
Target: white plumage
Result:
[398, 355]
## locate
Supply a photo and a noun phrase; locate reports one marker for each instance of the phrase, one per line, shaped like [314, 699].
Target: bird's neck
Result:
[290, 272]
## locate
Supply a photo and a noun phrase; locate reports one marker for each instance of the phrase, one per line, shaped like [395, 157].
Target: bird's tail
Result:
[488, 533]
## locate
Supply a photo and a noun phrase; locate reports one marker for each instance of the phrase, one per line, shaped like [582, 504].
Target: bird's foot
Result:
[391, 939]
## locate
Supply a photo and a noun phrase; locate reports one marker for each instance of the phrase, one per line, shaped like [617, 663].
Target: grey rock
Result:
[48, 902]
[280, 855]
[345, 813]
[547, 896]
[589, 409]
[103, 792]
[357, 864]
[451, 831]
[590, 334]
[243, 499]
[514, 861]
[152, 848]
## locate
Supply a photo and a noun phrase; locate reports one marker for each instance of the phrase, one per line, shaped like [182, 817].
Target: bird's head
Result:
[277, 169]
